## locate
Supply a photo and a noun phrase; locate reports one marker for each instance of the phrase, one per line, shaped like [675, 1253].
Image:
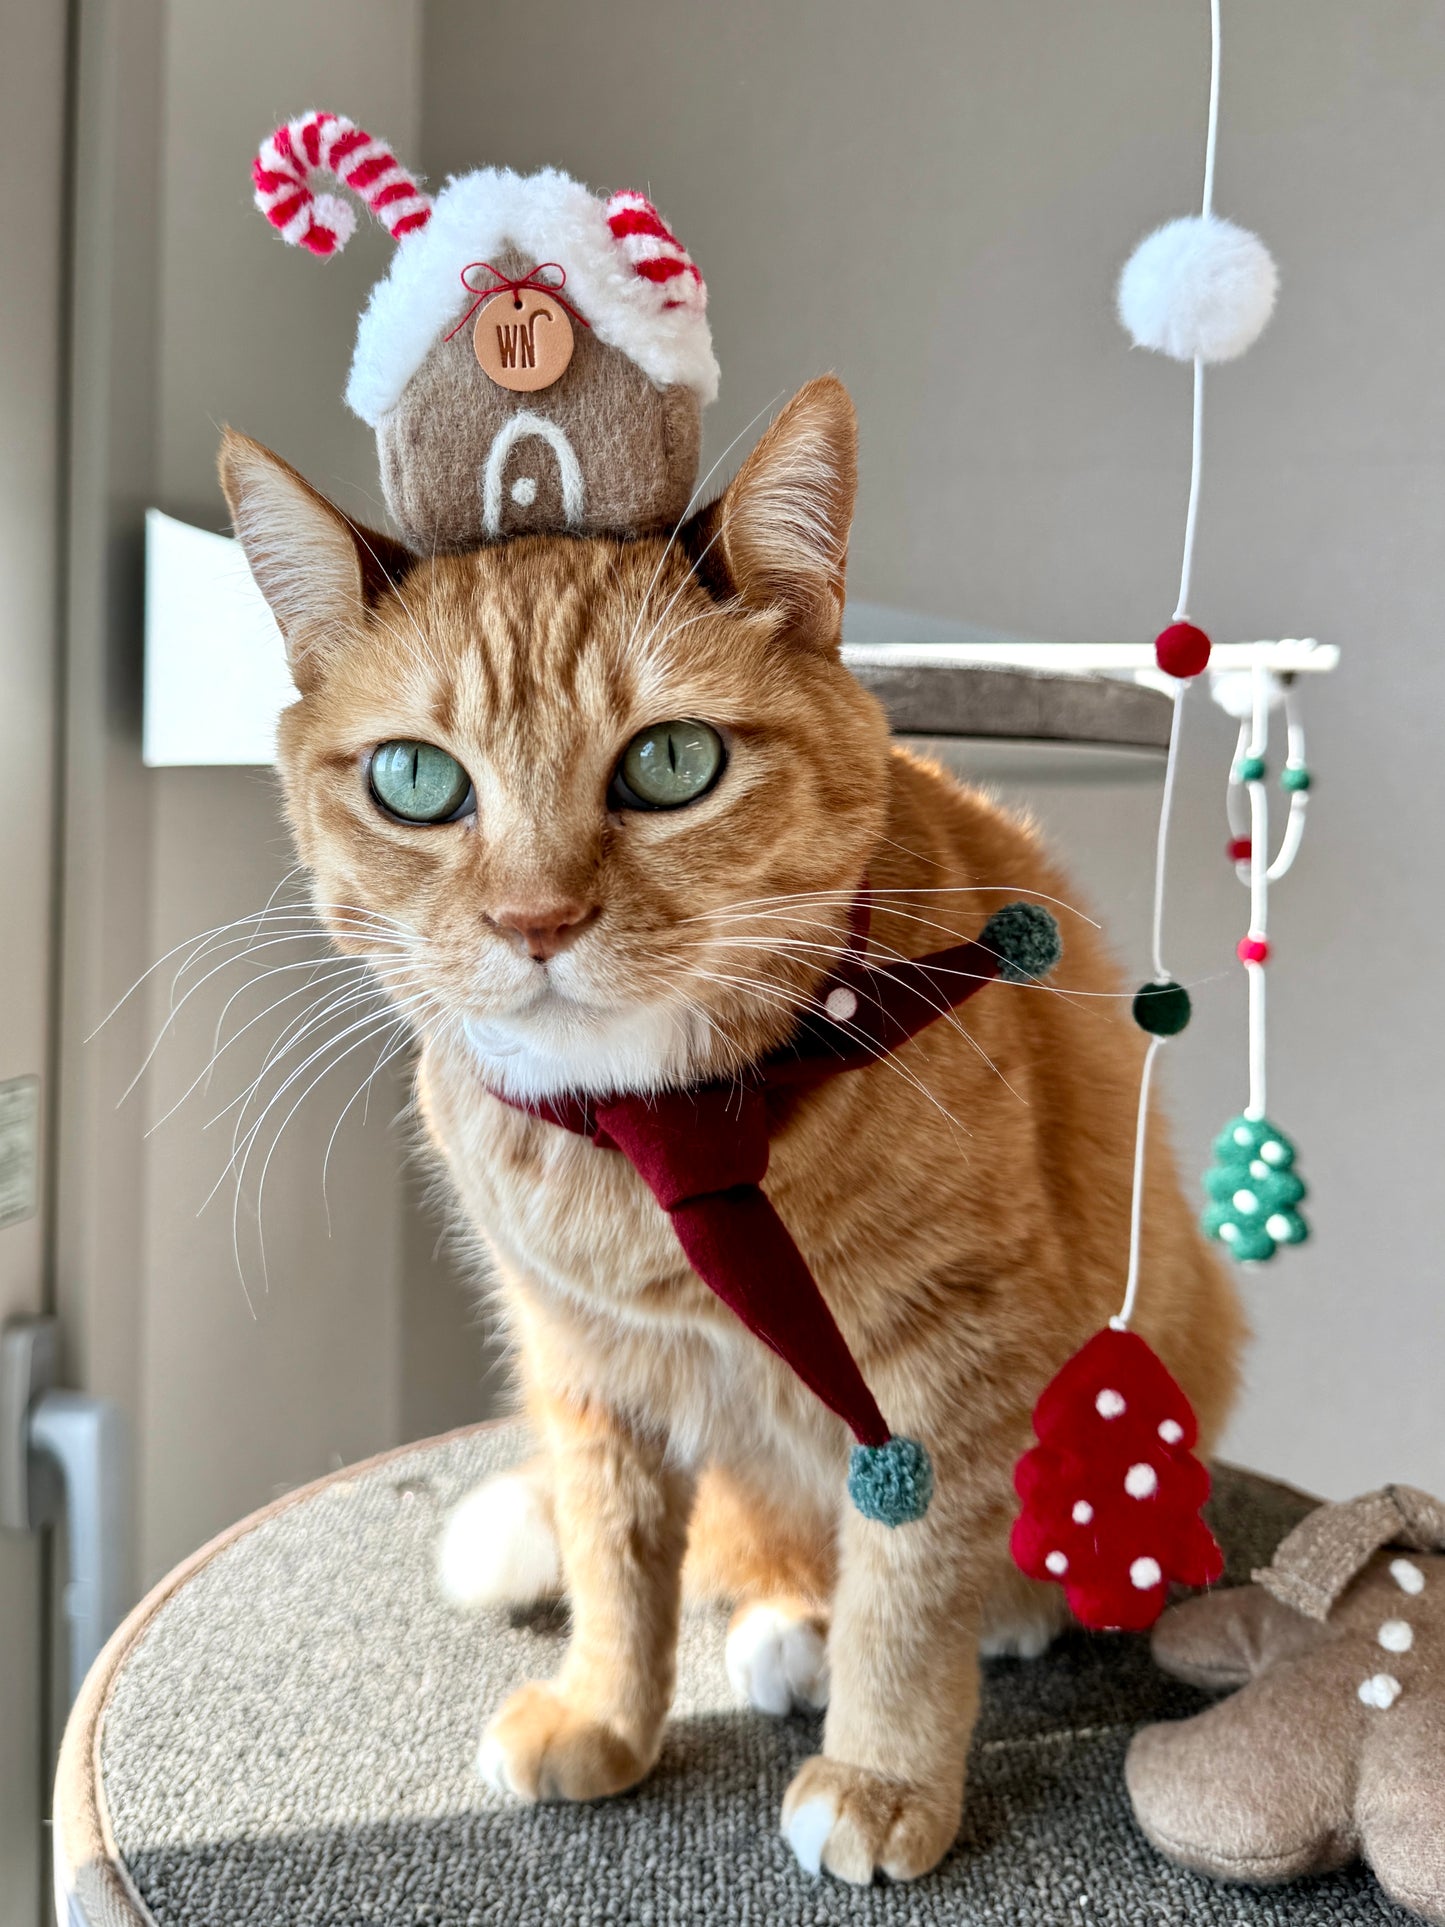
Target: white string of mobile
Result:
[1200, 290]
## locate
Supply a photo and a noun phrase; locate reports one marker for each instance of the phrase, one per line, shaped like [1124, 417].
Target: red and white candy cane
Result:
[654, 250]
[319, 143]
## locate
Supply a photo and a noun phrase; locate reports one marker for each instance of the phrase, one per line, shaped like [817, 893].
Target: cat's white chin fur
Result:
[777, 1659]
[555, 1046]
[499, 1547]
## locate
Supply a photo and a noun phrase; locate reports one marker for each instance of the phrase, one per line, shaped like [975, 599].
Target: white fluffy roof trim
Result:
[544, 217]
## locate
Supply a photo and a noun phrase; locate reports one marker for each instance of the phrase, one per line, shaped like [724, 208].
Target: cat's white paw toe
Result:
[492, 1765]
[807, 1828]
[499, 1547]
[777, 1659]
[1024, 1638]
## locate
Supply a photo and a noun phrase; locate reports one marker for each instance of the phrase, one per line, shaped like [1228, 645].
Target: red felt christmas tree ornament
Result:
[1112, 1491]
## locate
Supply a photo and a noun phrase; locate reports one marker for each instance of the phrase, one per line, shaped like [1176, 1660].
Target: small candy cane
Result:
[319, 143]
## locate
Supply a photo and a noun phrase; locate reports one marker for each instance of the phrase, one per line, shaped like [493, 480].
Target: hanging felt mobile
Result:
[1112, 1492]
[1253, 1188]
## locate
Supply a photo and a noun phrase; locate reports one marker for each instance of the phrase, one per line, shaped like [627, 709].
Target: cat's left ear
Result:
[319, 571]
[777, 538]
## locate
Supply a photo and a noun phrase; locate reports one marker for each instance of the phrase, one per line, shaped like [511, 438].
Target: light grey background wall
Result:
[239, 1400]
[933, 198]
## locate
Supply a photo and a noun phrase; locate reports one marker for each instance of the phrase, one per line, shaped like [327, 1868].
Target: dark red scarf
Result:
[703, 1153]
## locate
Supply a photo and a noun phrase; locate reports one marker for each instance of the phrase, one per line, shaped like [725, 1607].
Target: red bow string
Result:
[515, 286]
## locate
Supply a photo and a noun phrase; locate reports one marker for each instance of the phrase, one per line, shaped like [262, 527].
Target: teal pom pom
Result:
[892, 1483]
[1254, 1191]
[1025, 939]
[1249, 769]
[1162, 1009]
[1294, 777]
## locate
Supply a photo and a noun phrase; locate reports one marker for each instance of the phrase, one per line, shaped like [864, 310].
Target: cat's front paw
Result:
[842, 1820]
[539, 1747]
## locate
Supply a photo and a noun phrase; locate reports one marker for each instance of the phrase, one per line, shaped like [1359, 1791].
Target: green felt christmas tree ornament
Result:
[1254, 1191]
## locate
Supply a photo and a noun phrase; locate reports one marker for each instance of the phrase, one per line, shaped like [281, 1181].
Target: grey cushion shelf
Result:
[284, 1733]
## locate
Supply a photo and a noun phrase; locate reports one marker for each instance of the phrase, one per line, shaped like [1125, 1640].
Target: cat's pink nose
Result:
[542, 929]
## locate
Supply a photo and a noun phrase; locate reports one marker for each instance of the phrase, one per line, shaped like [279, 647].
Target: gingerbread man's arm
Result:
[1225, 1639]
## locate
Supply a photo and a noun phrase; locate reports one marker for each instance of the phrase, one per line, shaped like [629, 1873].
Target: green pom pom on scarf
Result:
[892, 1483]
[1025, 939]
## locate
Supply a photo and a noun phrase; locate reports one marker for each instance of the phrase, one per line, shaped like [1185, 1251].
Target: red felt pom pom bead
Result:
[1239, 849]
[1252, 950]
[1181, 650]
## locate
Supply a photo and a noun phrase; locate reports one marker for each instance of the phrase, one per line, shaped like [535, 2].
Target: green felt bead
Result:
[1250, 769]
[1025, 939]
[1161, 1009]
[892, 1483]
[1296, 777]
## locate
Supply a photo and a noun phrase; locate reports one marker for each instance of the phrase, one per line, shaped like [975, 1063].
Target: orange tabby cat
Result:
[468, 764]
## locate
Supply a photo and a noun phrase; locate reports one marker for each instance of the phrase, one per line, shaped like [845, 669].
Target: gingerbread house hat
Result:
[537, 359]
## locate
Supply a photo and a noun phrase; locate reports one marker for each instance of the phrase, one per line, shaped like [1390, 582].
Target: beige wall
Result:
[933, 198]
[32, 232]
[238, 1400]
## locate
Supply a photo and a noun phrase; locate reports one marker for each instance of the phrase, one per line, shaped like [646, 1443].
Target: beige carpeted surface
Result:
[291, 1741]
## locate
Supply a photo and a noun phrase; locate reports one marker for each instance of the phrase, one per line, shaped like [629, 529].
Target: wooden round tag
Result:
[523, 341]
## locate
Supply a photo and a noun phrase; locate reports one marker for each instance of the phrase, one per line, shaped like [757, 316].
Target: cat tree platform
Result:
[283, 1733]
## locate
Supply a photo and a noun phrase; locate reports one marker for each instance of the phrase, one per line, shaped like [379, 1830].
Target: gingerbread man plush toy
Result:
[1334, 1747]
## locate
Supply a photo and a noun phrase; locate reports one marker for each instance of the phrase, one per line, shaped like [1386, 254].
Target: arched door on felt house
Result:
[531, 478]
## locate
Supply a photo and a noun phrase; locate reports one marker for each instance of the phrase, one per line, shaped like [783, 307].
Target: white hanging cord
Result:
[1136, 1207]
[1166, 802]
[1237, 801]
[1211, 144]
[1295, 758]
[1258, 787]
[1161, 835]
[1191, 514]
[1211, 139]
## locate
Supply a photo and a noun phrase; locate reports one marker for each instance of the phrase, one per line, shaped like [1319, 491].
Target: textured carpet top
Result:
[291, 1741]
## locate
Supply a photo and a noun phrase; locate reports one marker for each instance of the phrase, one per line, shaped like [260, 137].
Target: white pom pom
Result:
[1198, 289]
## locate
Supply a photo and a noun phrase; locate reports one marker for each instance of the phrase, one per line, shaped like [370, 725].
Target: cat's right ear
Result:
[318, 570]
[777, 537]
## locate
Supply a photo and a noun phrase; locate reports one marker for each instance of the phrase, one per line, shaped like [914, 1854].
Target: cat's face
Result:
[556, 787]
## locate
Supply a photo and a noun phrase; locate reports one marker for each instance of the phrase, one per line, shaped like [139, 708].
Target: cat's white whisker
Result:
[336, 972]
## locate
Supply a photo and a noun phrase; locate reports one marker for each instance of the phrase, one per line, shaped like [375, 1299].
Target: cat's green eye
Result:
[667, 765]
[418, 782]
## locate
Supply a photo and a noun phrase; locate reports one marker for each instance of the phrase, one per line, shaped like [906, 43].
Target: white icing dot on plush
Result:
[1229, 1231]
[1171, 1431]
[1057, 1563]
[1109, 1403]
[1083, 1512]
[1381, 1689]
[1396, 1636]
[1258, 1168]
[1145, 1574]
[1141, 1481]
[1241, 1134]
[1245, 1201]
[841, 1005]
[524, 491]
[1277, 1226]
[1406, 1576]
[1272, 1152]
